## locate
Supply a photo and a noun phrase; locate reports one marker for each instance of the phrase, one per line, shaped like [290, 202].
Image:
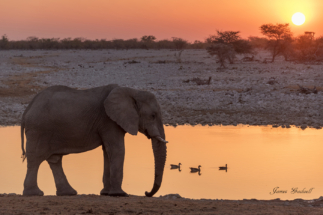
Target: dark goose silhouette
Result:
[195, 169]
[224, 167]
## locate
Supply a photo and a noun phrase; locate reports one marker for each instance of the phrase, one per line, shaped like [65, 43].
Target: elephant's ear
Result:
[120, 107]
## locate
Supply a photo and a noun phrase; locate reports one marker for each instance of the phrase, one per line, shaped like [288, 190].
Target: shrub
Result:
[258, 42]
[222, 52]
[226, 44]
[306, 48]
[4, 42]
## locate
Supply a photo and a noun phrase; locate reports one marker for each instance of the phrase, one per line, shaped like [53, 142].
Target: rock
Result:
[171, 196]
[303, 127]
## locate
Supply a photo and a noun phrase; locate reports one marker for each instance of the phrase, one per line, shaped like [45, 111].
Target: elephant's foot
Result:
[66, 192]
[117, 193]
[104, 192]
[35, 191]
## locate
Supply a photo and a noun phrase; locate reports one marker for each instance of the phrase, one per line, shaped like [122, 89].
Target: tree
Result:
[147, 41]
[226, 44]
[222, 52]
[179, 44]
[4, 42]
[226, 37]
[308, 49]
[149, 38]
[280, 38]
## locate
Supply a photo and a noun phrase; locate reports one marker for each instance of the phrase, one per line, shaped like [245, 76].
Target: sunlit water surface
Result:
[259, 159]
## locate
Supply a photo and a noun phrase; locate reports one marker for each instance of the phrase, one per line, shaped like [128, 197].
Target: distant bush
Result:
[4, 42]
[222, 52]
[198, 45]
[307, 49]
[258, 42]
[179, 44]
[148, 41]
[226, 44]
[149, 38]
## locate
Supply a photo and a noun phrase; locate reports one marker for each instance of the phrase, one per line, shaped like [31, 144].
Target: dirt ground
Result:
[93, 204]
[252, 93]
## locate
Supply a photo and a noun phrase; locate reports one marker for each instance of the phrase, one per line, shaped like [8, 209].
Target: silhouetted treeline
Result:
[281, 42]
[146, 42]
[278, 39]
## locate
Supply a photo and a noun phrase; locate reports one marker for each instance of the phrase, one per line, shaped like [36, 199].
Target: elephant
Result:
[61, 120]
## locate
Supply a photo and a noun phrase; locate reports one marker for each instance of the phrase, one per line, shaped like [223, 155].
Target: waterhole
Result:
[262, 163]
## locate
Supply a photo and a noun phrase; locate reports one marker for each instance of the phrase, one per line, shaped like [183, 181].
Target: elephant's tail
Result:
[23, 156]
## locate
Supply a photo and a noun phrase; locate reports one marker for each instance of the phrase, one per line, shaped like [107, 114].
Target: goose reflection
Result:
[224, 168]
[173, 166]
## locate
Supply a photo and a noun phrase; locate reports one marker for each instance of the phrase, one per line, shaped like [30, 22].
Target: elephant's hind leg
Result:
[62, 186]
[30, 185]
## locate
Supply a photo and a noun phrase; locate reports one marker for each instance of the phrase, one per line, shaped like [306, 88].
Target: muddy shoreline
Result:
[169, 204]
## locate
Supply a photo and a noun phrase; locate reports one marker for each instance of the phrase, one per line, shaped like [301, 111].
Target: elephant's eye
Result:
[153, 116]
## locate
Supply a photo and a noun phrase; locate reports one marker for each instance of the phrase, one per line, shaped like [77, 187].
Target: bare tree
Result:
[280, 38]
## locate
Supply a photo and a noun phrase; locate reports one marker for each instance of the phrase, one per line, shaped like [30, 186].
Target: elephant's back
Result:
[64, 106]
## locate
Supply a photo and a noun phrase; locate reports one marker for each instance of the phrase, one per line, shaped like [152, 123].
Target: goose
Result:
[224, 167]
[195, 169]
[173, 166]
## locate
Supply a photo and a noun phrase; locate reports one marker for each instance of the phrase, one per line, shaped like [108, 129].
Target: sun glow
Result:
[298, 18]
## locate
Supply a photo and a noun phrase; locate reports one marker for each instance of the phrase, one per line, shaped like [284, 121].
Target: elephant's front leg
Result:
[106, 173]
[62, 186]
[114, 146]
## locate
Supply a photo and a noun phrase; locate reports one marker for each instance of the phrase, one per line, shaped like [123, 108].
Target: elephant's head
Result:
[134, 111]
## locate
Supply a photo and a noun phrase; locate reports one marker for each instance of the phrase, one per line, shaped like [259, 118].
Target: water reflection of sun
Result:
[298, 18]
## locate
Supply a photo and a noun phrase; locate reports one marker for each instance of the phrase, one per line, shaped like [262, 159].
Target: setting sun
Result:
[298, 18]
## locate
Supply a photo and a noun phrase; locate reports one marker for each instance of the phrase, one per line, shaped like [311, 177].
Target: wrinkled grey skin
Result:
[61, 120]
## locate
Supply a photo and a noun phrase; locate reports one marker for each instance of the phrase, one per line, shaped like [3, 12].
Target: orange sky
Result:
[125, 19]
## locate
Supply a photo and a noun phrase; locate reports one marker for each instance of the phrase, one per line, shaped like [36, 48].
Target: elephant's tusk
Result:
[161, 139]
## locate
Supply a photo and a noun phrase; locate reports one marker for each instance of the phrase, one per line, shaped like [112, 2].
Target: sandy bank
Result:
[169, 204]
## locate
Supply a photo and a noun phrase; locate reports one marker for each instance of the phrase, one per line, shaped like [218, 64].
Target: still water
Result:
[259, 159]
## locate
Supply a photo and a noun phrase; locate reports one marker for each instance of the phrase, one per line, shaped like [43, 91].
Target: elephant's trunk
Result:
[159, 148]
